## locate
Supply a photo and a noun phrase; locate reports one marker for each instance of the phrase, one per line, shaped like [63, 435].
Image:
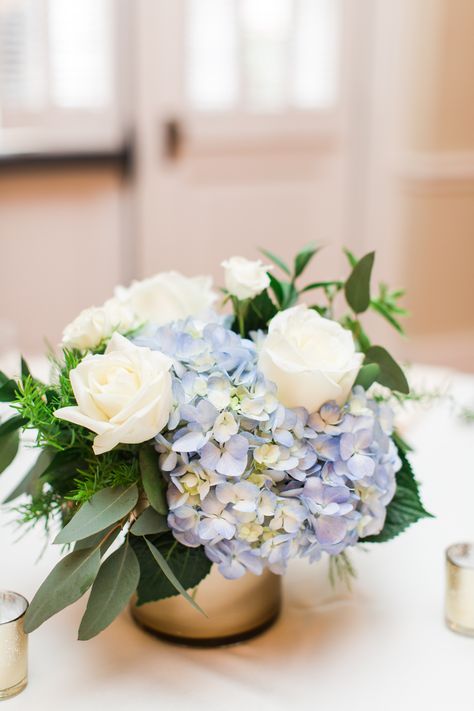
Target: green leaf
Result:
[109, 534]
[383, 310]
[25, 371]
[29, 484]
[357, 287]
[322, 310]
[14, 423]
[279, 262]
[277, 288]
[260, 311]
[367, 375]
[404, 509]
[401, 443]
[8, 388]
[149, 522]
[9, 444]
[303, 258]
[168, 573]
[152, 479]
[290, 295]
[361, 338]
[322, 285]
[66, 583]
[390, 375]
[189, 565]
[113, 587]
[104, 508]
[350, 257]
[62, 470]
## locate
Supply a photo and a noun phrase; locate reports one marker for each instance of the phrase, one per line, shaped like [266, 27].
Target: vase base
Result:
[13, 690]
[209, 642]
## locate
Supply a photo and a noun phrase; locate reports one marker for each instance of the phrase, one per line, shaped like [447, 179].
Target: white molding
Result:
[436, 167]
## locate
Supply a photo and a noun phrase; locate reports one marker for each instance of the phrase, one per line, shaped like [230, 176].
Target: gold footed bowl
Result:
[236, 610]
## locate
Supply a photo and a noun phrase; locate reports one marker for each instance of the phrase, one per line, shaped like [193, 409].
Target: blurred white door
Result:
[245, 129]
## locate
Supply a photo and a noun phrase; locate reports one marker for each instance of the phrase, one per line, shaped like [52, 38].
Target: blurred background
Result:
[138, 136]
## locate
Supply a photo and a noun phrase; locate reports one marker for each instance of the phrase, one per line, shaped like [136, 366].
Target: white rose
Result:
[310, 358]
[244, 278]
[169, 296]
[97, 323]
[123, 395]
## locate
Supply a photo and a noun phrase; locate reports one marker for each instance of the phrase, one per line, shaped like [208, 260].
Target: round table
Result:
[382, 646]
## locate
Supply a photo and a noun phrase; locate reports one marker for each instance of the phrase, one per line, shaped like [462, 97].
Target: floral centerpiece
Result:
[172, 438]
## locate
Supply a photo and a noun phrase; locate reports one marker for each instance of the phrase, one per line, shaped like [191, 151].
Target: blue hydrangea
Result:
[256, 483]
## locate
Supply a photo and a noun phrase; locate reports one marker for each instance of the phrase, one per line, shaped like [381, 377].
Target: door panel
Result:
[262, 170]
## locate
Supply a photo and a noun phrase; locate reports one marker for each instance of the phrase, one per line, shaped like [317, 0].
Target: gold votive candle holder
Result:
[13, 644]
[460, 588]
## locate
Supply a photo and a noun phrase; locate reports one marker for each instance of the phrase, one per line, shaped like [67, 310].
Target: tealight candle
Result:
[460, 588]
[13, 644]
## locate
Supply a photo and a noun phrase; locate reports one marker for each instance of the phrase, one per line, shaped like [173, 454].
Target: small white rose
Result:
[97, 323]
[123, 395]
[167, 297]
[311, 359]
[244, 278]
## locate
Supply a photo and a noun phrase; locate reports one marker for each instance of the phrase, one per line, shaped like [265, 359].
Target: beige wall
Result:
[59, 248]
[435, 181]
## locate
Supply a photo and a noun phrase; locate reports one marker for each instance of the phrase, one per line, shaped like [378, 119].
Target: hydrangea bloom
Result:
[256, 483]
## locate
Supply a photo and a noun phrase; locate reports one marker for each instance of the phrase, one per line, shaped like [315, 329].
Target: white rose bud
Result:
[311, 359]
[169, 296]
[244, 278]
[97, 323]
[123, 395]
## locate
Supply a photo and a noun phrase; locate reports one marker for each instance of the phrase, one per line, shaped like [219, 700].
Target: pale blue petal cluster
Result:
[256, 483]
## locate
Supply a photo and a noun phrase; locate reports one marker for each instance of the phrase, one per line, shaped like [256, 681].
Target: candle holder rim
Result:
[22, 614]
[454, 560]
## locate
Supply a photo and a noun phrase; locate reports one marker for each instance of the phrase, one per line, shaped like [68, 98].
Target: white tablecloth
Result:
[385, 646]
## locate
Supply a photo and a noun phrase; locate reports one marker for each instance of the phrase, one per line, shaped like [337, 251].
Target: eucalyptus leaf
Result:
[9, 444]
[66, 583]
[152, 479]
[367, 375]
[109, 534]
[168, 573]
[390, 375]
[357, 288]
[149, 522]
[303, 258]
[115, 583]
[105, 507]
[279, 262]
[30, 482]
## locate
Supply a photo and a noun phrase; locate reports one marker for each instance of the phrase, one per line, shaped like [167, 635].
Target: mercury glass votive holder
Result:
[13, 644]
[460, 588]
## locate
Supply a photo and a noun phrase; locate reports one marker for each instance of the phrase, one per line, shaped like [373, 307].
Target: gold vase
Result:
[236, 610]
